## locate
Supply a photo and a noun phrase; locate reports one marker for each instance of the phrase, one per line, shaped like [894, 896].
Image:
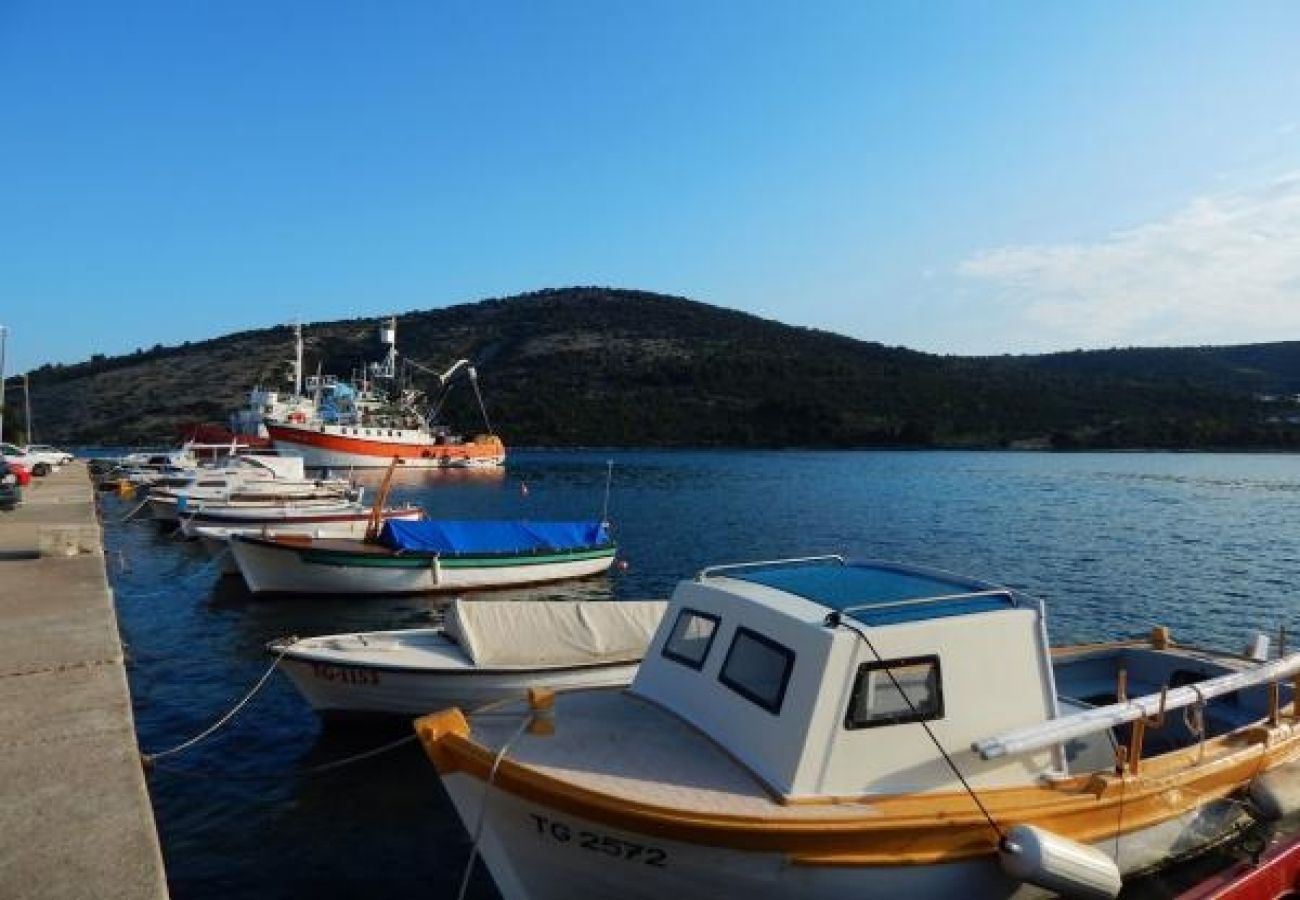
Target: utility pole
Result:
[4, 333]
[27, 411]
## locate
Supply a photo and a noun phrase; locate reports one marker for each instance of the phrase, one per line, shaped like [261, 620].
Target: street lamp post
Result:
[4, 333]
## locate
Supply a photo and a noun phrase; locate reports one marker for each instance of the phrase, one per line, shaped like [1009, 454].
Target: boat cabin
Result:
[817, 674]
[829, 679]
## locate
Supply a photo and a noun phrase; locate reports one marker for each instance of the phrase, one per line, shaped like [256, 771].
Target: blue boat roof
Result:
[880, 594]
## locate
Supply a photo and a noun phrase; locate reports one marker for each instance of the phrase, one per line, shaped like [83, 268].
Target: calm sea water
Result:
[1206, 544]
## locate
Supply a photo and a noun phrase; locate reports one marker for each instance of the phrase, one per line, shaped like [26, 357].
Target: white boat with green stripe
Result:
[426, 557]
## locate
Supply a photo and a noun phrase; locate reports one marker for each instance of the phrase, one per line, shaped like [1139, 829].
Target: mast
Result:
[388, 336]
[297, 359]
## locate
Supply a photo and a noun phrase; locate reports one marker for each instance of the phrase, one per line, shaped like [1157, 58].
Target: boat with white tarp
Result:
[487, 650]
[821, 729]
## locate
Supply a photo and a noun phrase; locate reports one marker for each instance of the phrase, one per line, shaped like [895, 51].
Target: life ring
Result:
[297, 417]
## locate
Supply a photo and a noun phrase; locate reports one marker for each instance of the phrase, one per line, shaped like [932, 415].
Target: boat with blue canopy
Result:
[407, 557]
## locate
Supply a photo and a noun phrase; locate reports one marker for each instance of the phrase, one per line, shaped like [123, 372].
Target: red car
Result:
[24, 476]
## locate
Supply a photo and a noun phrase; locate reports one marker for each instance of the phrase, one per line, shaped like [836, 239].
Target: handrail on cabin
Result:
[710, 571]
[942, 598]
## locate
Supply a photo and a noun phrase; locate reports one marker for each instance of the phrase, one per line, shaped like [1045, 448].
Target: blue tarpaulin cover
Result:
[491, 536]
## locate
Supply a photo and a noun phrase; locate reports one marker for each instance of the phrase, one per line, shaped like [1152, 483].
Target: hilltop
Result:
[599, 366]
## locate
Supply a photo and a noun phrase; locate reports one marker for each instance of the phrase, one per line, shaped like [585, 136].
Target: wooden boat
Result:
[823, 730]
[169, 508]
[488, 650]
[423, 557]
[348, 522]
[1274, 876]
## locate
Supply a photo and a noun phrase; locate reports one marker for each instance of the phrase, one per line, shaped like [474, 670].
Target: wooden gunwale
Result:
[917, 829]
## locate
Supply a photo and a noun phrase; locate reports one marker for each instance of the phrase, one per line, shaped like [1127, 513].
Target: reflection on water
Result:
[1205, 544]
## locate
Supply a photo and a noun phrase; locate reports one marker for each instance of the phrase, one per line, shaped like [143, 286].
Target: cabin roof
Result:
[881, 593]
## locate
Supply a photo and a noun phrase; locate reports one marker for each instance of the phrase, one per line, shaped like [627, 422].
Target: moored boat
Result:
[351, 521]
[378, 417]
[818, 729]
[426, 557]
[487, 650]
[1275, 875]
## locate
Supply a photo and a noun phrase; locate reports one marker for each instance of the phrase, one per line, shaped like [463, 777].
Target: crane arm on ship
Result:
[444, 382]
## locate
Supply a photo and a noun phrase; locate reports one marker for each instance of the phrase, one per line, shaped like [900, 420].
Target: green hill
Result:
[597, 366]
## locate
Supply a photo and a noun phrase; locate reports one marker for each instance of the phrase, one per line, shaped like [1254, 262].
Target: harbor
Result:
[590, 451]
[358, 806]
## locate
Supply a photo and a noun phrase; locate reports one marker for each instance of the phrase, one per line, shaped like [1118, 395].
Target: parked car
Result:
[10, 494]
[53, 455]
[24, 475]
[39, 463]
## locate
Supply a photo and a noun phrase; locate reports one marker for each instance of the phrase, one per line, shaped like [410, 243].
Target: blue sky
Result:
[953, 177]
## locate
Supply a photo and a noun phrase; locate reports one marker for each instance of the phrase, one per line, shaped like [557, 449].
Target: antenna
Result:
[609, 478]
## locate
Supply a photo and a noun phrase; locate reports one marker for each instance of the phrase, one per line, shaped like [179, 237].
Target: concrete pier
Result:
[75, 819]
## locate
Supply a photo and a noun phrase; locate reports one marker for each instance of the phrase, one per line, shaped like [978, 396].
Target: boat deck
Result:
[617, 744]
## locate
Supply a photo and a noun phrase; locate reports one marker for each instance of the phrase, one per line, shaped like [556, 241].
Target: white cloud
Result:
[1223, 269]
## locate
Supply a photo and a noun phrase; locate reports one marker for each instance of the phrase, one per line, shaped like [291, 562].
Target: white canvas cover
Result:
[552, 632]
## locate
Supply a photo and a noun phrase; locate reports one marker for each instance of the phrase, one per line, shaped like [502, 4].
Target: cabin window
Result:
[691, 638]
[758, 669]
[913, 694]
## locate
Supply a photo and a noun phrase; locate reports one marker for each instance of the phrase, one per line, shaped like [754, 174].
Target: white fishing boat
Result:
[815, 729]
[378, 416]
[487, 650]
[352, 521]
[425, 557]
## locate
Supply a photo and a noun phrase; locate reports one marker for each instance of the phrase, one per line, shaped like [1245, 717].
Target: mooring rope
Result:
[483, 804]
[129, 516]
[322, 769]
[150, 758]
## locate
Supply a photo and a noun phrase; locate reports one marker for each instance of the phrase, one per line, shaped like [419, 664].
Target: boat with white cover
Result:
[818, 729]
[487, 650]
[425, 557]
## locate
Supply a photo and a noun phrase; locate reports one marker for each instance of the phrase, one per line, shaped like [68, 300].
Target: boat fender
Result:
[1036, 856]
[1276, 794]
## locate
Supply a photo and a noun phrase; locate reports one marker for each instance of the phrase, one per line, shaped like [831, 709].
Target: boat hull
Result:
[336, 689]
[216, 538]
[535, 852]
[328, 447]
[280, 569]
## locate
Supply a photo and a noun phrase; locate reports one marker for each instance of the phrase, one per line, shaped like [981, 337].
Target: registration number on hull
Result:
[615, 848]
[343, 674]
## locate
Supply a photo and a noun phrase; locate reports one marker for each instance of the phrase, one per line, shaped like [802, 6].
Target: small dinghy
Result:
[488, 650]
[425, 557]
[819, 729]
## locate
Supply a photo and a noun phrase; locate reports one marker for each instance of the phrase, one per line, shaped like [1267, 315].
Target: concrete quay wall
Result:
[75, 818]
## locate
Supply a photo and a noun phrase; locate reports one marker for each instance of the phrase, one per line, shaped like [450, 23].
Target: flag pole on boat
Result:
[609, 478]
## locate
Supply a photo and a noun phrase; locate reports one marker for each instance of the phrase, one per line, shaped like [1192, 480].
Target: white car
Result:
[37, 459]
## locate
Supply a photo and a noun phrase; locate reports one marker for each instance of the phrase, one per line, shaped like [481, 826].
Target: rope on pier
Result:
[150, 758]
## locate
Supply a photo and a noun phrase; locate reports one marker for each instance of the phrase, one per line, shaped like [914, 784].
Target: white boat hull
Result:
[291, 571]
[341, 689]
[216, 540]
[536, 853]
